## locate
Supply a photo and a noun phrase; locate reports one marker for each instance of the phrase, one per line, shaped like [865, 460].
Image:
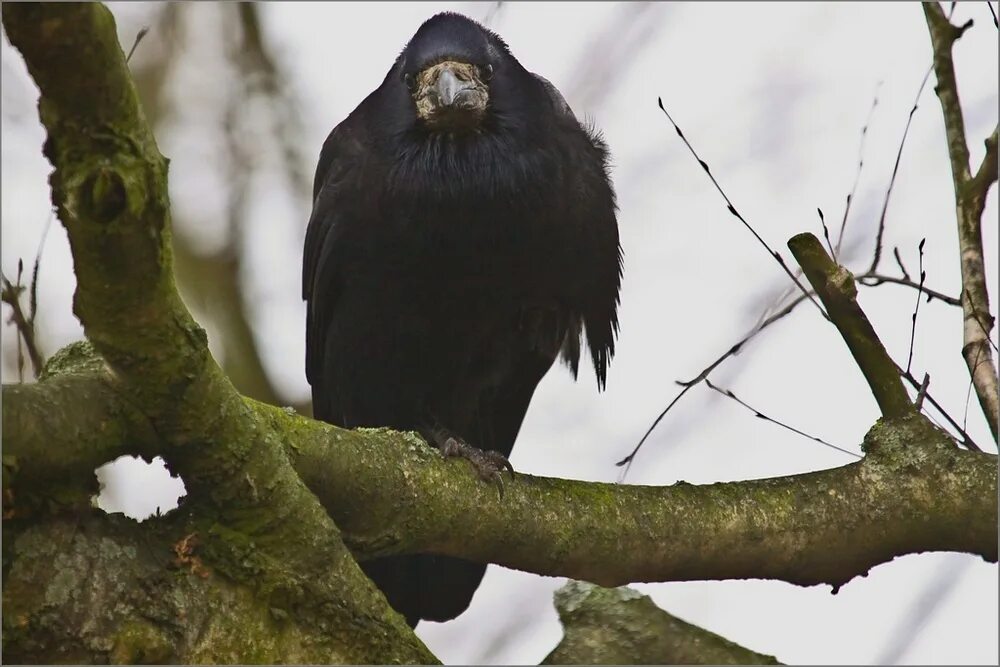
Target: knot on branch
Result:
[842, 281]
[103, 195]
[79, 357]
[911, 435]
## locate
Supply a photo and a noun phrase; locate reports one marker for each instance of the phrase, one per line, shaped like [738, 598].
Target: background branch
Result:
[619, 626]
[970, 200]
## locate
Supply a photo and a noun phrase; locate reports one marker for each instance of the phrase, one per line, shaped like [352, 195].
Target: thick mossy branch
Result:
[620, 626]
[391, 493]
[76, 404]
[914, 492]
[836, 289]
[94, 589]
[970, 201]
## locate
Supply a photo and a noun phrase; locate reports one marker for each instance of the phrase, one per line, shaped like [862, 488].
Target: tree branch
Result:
[620, 626]
[390, 493]
[99, 589]
[876, 279]
[970, 200]
[836, 289]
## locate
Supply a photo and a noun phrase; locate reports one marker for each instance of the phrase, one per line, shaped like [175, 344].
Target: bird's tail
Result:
[425, 586]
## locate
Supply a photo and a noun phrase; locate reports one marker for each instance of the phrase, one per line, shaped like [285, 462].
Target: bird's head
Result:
[447, 67]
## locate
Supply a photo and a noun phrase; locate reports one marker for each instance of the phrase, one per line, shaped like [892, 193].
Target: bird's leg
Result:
[488, 464]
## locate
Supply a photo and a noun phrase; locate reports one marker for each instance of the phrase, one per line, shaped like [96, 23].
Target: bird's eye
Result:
[487, 71]
[409, 80]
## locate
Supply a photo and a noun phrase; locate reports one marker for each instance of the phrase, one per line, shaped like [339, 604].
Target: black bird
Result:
[463, 236]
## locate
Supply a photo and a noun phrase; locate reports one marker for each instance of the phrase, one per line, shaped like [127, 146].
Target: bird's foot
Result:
[488, 464]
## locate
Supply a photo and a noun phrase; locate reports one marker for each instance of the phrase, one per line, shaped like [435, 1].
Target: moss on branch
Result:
[98, 589]
[391, 493]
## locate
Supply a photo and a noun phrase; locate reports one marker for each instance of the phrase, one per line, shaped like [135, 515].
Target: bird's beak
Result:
[450, 95]
[449, 87]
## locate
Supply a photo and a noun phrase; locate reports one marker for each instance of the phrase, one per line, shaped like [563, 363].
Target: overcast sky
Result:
[773, 96]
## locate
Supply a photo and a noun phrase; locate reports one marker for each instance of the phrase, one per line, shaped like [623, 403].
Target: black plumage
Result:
[463, 236]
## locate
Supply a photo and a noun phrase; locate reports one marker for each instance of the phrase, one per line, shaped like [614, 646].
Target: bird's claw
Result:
[488, 464]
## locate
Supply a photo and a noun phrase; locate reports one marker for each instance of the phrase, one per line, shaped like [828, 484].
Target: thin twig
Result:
[922, 393]
[826, 232]
[916, 308]
[994, 14]
[857, 174]
[33, 290]
[757, 413]
[968, 397]
[687, 384]
[899, 261]
[892, 180]
[966, 438]
[10, 293]
[876, 279]
[138, 38]
[732, 209]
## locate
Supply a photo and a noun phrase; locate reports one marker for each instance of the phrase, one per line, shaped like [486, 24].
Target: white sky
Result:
[773, 96]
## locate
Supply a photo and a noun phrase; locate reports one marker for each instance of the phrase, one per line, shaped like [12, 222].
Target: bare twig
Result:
[857, 174]
[687, 384]
[826, 232]
[970, 200]
[732, 209]
[866, 279]
[138, 38]
[967, 440]
[916, 308]
[876, 258]
[993, 14]
[918, 404]
[33, 289]
[876, 279]
[899, 261]
[729, 394]
[968, 399]
[10, 293]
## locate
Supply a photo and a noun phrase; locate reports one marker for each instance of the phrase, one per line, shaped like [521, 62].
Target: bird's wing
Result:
[327, 224]
[558, 101]
[599, 301]
[595, 215]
